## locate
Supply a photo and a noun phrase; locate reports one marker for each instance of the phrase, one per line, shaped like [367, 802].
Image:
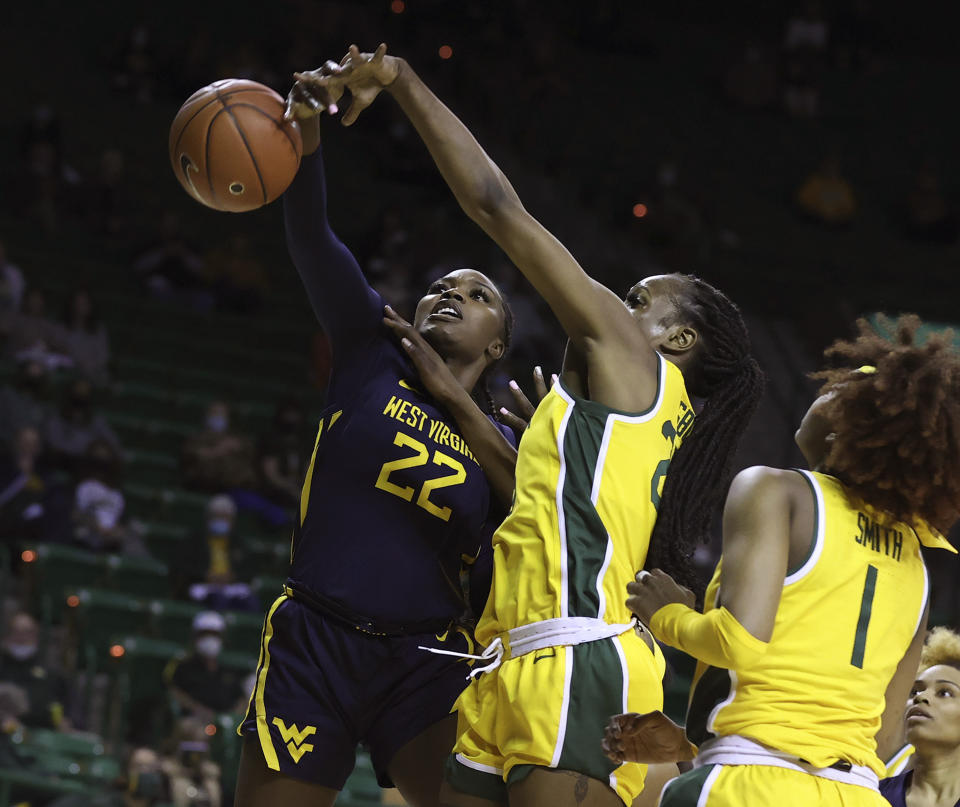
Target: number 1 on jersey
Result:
[866, 606]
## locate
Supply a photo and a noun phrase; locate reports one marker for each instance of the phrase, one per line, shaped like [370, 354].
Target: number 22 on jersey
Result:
[421, 456]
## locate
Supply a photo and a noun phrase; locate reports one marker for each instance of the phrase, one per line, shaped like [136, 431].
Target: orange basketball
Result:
[230, 147]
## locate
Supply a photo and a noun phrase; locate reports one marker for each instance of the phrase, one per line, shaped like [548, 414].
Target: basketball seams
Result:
[272, 120]
[207, 104]
[206, 153]
[256, 167]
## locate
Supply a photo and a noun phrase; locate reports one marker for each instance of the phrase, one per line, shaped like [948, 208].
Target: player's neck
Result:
[935, 776]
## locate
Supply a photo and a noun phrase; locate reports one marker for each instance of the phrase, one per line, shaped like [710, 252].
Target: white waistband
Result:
[525, 639]
[736, 750]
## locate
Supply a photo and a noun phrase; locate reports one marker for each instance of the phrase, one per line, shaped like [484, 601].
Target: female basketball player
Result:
[933, 728]
[816, 613]
[393, 499]
[589, 482]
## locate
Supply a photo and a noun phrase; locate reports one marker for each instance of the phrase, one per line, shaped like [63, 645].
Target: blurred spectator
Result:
[70, 432]
[206, 571]
[283, 455]
[134, 66]
[805, 45]
[198, 683]
[21, 665]
[928, 215]
[45, 180]
[22, 489]
[145, 784]
[25, 404]
[218, 459]
[826, 195]
[237, 276]
[86, 336]
[109, 204]
[13, 706]
[171, 269]
[194, 777]
[99, 504]
[751, 83]
[11, 289]
[31, 334]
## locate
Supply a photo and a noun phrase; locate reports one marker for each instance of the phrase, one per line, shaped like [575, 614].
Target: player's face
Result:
[462, 313]
[815, 433]
[652, 303]
[933, 711]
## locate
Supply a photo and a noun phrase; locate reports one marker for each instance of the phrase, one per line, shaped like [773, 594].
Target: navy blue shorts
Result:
[323, 687]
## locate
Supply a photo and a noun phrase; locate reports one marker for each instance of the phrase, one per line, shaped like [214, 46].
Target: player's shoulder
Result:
[764, 478]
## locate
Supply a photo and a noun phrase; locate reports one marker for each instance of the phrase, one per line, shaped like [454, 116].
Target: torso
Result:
[589, 480]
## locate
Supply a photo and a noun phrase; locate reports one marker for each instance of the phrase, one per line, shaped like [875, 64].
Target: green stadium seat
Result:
[137, 664]
[243, 632]
[172, 620]
[59, 743]
[166, 542]
[362, 787]
[267, 589]
[263, 556]
[98, 616]
[50, 569]
[18, 786]
[144, 577]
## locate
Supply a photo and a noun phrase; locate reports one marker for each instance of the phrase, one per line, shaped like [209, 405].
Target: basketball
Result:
[230, 147]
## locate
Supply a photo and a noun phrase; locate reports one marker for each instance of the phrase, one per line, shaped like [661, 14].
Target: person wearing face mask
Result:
[932, 728]
[198, 683]
[70, 433]
[20, 665]
[216, 458]
[206, 571]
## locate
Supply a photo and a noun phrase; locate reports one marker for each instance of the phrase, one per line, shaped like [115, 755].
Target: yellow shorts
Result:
[747, 785]
[549, 709]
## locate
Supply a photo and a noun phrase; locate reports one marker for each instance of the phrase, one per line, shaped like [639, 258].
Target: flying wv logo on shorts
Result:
[294, 738]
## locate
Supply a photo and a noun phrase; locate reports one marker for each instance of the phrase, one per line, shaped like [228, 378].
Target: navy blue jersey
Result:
[393, 501]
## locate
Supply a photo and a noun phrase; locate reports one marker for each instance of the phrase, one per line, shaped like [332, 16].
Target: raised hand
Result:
[315, 92]
[432, 370]
[364, 74]
[649, 738]
[519, 420]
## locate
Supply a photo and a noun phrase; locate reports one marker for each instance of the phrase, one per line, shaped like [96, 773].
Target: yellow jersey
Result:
[846, 617]
[588, 484]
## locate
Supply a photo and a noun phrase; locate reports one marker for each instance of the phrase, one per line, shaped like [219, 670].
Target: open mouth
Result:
[447, 309]
[917, 712]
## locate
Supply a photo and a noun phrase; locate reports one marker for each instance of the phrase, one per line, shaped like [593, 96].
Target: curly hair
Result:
[897, 428]
[731, 382]
[942, 647]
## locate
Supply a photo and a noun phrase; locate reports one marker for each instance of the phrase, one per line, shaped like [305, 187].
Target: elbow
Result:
[490, 200]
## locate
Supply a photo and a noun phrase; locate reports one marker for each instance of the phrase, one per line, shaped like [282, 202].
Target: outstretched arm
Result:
[623, 371]
[340, 296]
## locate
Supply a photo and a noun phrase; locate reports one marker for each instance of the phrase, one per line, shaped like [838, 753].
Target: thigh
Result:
[258, 786]
[417, 768]
[300, 713]
[559, 788]
[657, 777]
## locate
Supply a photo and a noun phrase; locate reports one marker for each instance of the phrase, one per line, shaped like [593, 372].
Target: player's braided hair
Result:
[731, 382]
[481, 392]
[897, 429]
